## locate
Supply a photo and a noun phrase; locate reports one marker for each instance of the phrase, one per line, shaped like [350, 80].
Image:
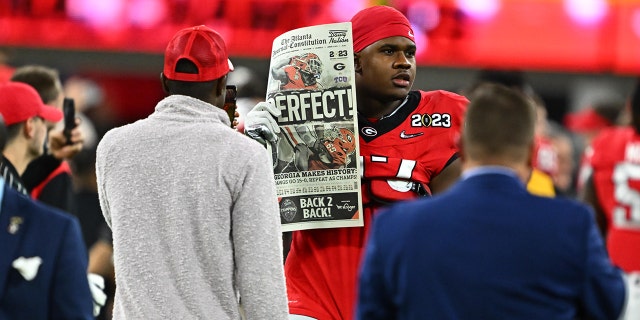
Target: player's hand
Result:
[58, 146]
[260, 123]
[235, 122]
[96, 284]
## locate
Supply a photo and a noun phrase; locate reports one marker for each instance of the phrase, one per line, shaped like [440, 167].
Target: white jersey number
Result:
[626, 196]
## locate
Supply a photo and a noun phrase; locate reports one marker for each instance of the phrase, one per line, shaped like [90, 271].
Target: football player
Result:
[612, 165]
[408, 148]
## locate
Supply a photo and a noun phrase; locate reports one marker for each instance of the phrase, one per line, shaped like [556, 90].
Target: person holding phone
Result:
[185, 248]
[230, 106]
[48, 177]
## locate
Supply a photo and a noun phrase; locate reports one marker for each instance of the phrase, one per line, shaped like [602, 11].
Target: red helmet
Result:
[308, 62]
[347, 141]
[339, 144]
[309, 66]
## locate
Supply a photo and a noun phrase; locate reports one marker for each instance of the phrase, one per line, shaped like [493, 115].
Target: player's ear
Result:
[28, 127]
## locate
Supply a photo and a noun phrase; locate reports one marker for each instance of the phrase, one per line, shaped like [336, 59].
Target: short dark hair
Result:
[499, 122]
[198, 90]
[44, 79]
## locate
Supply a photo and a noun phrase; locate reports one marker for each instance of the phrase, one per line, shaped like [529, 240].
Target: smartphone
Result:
[230, 102]
[69, 111]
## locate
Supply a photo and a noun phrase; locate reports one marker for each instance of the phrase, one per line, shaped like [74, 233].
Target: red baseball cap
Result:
[20, 101]
[586, 120]
[376, 23]
[202, 46]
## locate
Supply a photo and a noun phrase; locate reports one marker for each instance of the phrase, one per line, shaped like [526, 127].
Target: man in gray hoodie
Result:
[191, 202]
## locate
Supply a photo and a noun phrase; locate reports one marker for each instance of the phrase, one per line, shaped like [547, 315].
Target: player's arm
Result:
[588, 195]
[447, 176]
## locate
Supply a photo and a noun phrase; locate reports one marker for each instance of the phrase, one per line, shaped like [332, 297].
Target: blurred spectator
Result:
[48, 178]
[25, 115]
[43, 259]
[611, 186]
[45, 176]
[565, 148]
[545, 157]
[589, 121]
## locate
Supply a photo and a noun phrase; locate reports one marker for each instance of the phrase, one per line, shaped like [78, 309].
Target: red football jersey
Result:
[400, 154]
[615, 161]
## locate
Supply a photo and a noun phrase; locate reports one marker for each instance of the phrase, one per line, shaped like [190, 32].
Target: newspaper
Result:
[316, 157]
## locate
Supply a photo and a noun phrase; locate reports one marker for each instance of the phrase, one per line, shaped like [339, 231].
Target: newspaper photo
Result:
[315, 158]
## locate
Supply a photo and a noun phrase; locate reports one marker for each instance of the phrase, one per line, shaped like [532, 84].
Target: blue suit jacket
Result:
[487, 249]
[60, 289]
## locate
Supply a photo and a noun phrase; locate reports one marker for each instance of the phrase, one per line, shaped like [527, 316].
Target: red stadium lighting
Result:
[343, 10]
[99, 14]
[586, 12]
[146, 13]
[424, 14]
[480, 9]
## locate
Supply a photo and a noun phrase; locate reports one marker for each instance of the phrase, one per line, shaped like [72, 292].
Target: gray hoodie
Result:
[193, 209]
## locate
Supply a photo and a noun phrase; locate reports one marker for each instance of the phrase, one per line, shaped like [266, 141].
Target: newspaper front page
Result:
[316, 157]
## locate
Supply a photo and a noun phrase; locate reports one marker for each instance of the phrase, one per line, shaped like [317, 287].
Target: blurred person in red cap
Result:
[26, 118]
[48, 178]
[589, 121]
[190, 201]
[322, 266]
[43, 262]
[587, 124]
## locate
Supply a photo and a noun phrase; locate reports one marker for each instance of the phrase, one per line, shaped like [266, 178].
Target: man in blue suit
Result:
[488, 249]
[43, 261]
